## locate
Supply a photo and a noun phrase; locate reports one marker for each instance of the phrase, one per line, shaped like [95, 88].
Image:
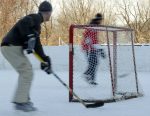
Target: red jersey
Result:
[89, 39]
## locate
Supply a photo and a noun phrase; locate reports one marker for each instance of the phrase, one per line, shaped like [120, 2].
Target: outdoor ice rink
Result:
[51, 98]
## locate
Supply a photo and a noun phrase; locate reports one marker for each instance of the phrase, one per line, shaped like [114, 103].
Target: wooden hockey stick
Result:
[87, 105]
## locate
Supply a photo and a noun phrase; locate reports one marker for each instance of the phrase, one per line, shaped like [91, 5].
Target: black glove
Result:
[102, 53]
[47, 65]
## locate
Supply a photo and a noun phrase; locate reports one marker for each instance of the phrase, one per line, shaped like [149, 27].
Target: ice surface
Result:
[51, 98]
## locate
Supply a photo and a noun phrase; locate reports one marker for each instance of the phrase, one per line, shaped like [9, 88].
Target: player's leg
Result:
[16, 57]
[90, 73]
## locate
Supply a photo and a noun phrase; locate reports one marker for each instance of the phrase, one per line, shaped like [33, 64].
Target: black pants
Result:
[92, 57]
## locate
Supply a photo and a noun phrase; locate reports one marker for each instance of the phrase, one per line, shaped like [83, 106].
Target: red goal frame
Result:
[113, 66]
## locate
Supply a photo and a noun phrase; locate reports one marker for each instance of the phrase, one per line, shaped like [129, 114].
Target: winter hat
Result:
[45, 7]
[98, 16]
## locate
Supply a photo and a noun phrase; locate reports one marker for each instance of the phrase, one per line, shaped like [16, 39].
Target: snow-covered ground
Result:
[51, 98]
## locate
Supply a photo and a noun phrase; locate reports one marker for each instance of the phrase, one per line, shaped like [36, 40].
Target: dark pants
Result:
[92, 57]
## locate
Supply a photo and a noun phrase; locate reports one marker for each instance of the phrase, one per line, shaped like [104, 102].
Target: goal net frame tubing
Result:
[113, 67]
[89, 105]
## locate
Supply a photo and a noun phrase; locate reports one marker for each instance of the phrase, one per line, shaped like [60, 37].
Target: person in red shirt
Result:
[89, 46]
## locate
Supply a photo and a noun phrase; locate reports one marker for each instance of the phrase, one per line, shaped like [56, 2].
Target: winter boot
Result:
[89, 79]
[26, 107]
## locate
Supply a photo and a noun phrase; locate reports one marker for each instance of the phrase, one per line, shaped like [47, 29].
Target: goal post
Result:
[116, 75]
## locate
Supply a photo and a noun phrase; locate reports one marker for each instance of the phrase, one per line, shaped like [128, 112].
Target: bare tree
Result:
[11, 11]
[81, 12]
[136, 15]
[70, 12]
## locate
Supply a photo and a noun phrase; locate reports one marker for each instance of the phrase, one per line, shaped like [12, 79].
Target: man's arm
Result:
[39, 49]
[25, 28]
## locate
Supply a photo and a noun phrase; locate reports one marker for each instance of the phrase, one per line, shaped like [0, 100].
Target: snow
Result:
[51, 97]
[59, 56]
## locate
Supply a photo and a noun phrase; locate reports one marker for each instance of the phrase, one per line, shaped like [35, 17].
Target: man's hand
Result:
[46, 66]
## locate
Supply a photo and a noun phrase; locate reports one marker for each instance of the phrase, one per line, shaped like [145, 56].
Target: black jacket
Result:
[18, 35]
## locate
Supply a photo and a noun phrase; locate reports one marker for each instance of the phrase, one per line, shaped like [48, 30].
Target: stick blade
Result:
[94, 105]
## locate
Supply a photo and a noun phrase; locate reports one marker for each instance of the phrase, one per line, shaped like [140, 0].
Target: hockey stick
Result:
[89, 105]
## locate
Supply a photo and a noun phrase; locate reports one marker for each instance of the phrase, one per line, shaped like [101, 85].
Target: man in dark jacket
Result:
[24, 35]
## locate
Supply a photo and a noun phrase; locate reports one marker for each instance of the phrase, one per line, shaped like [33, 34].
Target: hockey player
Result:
[25, 35]
[89, 46]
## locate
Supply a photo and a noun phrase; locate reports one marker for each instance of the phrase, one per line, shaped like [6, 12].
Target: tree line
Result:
[128, 13]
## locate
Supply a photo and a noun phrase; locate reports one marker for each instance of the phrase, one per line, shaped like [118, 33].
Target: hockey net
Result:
[116, 75]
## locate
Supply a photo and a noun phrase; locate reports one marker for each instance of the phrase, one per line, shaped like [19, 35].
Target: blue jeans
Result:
[92, 57]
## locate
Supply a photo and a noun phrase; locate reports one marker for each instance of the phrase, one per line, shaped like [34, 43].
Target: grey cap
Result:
[45, 7]
[98, 16]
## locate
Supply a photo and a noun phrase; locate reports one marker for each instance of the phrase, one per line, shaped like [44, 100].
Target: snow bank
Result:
[59, 56]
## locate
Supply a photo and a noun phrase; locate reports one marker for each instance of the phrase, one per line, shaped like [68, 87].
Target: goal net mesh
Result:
[116, 75]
